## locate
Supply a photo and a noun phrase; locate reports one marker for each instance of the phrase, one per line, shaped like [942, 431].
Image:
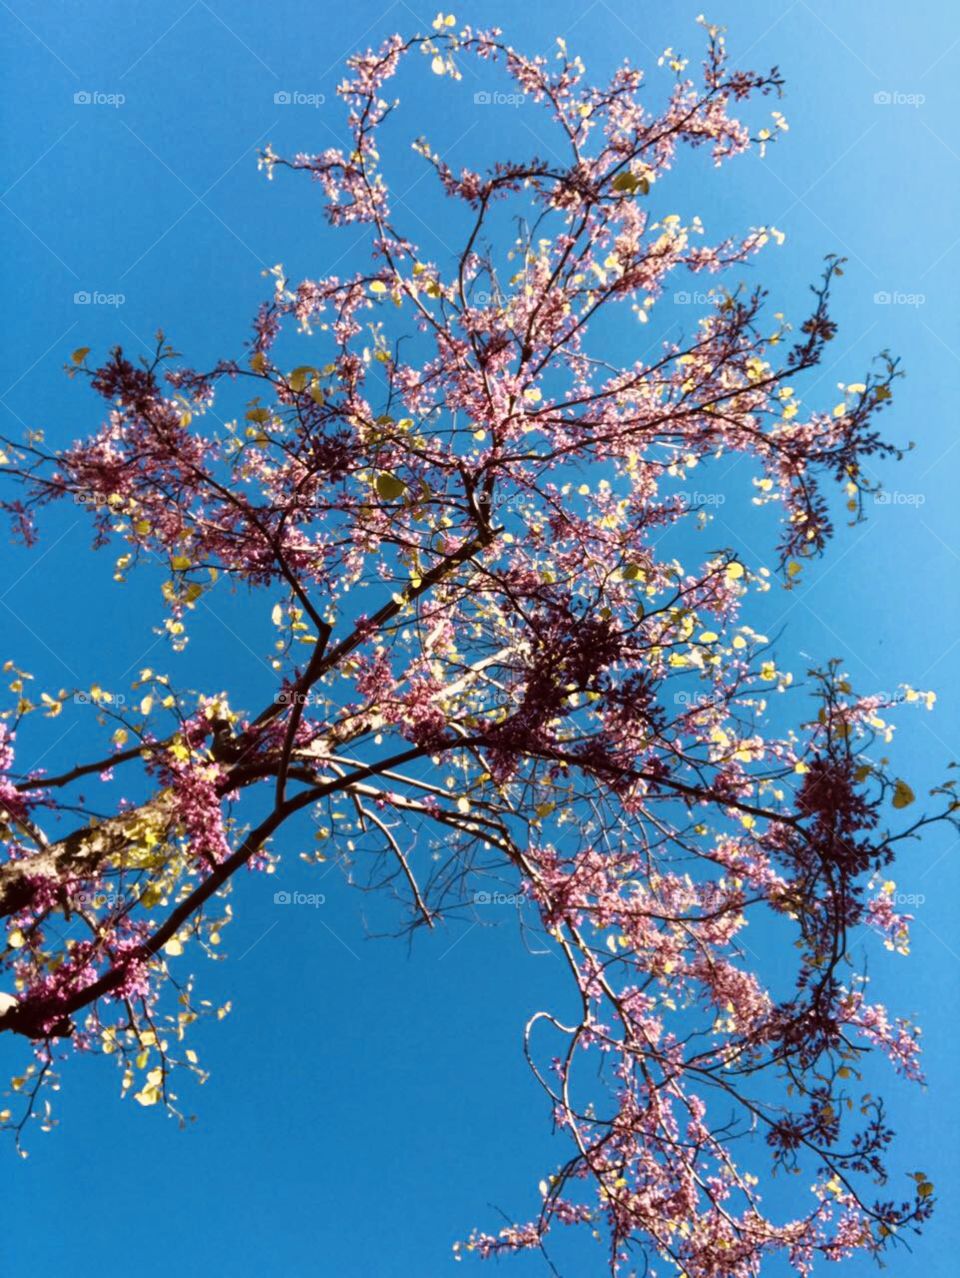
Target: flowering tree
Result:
[483, 641]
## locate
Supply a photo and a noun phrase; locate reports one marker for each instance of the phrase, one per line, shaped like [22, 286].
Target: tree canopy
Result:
[492, 658]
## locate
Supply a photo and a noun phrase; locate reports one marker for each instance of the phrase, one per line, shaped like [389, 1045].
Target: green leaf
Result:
[298, 378]
[389, 487]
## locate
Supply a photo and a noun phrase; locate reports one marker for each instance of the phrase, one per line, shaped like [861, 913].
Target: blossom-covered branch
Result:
[486, 647]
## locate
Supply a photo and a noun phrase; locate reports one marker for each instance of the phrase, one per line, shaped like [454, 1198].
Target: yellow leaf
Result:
[80, 354]
[390, 487]
[173, 947]
[630, 183]
[903, 796]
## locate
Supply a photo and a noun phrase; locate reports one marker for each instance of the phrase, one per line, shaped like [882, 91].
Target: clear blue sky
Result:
[368, 1104]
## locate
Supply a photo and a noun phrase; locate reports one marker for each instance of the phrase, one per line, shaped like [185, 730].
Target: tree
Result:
[459, 519]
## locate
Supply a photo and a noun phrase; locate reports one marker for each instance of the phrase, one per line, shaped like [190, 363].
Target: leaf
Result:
[903, 796]
[298, 378]
[390, 487]
[173, 947]
[629, 183]
[80, 354]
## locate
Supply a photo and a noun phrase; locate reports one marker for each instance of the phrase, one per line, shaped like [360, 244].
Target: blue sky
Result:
[369, 1103]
